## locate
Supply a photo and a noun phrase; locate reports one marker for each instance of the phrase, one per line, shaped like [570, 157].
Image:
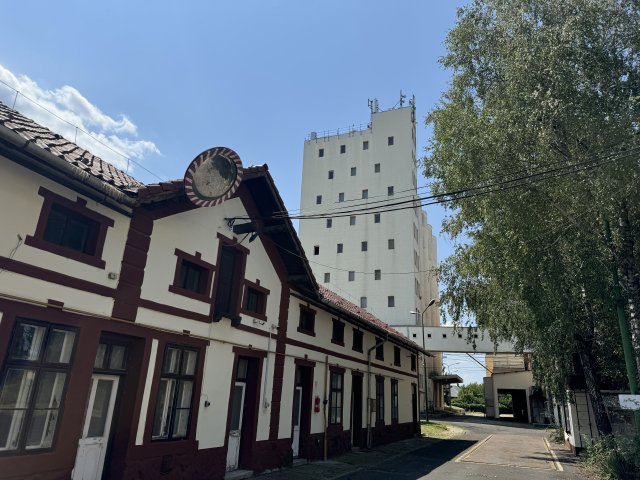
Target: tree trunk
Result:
[585, 353]
[630, 280]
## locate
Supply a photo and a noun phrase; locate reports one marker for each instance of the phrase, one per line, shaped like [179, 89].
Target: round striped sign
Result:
[213, 176]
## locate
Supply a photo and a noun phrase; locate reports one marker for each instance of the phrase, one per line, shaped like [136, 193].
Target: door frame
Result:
[251, 402]
[356, 431]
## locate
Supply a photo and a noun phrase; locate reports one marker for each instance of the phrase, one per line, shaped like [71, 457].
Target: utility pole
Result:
[424, 358]
[627, 348]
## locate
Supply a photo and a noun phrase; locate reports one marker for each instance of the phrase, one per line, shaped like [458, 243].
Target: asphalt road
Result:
[486, 449]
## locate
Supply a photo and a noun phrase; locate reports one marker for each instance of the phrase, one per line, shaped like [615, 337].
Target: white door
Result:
[92, 447]
[297, 396]
[235, 429]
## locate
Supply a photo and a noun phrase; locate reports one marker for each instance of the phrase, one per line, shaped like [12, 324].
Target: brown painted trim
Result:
[303, 362]
[253, 330]
[51, 276]
[248, 352]
[357, 373]
[175, 311]
[134, 261]
[170, 207]
[336, 369]
[54, 303]
[78, 207]
[278, 370]
[196, 259]
[297, 343]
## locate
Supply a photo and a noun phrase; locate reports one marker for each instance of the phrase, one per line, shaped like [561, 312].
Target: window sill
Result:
[336, 342]
[259, 316]
[202, 297]
[357, 349]
[307, 332]
[64, 252]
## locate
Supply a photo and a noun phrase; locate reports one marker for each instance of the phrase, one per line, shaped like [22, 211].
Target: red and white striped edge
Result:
[199, 160]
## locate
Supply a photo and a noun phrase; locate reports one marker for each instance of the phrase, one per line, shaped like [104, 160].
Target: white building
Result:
[367, 243]
[382, 260]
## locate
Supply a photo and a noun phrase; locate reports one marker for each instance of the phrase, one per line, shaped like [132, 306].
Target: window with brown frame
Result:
[33, 385]
[335, 398]
[379, 349]
[193, 276]
[396, 356]
[394, 401]
[254, 302]
[229, 279]
[379, 399]
[175, 394]
[337, 332]
[307, 321]
[357, 340]
[70, 229]
[413, 362]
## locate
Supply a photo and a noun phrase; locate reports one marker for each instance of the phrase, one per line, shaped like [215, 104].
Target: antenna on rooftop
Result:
[402, 97]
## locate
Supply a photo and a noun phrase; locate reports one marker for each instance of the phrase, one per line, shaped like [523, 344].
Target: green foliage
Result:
[472, 393]
[539, 85]
[469, 407]
[470, 397]
[614, 458]
[556, 434]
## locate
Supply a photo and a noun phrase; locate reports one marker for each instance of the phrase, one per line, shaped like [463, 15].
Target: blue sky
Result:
[163, 81]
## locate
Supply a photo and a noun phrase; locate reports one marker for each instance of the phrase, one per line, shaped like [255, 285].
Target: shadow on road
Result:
[414, 464]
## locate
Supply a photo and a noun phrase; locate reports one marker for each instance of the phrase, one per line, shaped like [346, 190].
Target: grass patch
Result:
[435, 429]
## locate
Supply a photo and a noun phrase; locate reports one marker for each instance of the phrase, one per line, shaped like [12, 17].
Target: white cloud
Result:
[67, 103]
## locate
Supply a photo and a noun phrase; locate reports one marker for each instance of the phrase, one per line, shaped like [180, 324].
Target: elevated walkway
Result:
[454, 340]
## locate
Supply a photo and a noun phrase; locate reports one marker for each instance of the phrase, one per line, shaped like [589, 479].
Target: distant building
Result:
[510, 374]
[382, 258]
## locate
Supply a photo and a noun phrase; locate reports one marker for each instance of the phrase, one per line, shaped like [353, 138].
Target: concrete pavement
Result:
[484, 449]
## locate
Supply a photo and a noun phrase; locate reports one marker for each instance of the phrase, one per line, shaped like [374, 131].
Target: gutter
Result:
[104, 189]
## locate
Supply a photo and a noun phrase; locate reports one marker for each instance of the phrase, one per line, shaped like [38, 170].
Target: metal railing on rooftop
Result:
[339, 131]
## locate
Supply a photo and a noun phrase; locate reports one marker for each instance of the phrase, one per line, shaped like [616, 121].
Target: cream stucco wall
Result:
[19, 193]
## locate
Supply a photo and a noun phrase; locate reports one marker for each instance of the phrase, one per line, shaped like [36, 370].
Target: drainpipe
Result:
[265, 402]
[324, 416]
[369, 412]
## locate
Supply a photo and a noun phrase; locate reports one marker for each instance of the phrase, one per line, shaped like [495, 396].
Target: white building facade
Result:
[365, 241]
[381, 259]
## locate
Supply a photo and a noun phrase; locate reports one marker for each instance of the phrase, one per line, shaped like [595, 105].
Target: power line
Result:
[471, 192]
[78, 129]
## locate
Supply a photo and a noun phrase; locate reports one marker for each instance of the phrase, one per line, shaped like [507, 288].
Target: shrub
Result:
[556, 434]
[614, 457]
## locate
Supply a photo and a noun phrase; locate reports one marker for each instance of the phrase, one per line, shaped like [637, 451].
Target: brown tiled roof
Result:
[336, 301]
[66, 150]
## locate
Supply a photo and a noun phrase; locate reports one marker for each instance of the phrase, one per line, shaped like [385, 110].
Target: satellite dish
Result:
[213, 176]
